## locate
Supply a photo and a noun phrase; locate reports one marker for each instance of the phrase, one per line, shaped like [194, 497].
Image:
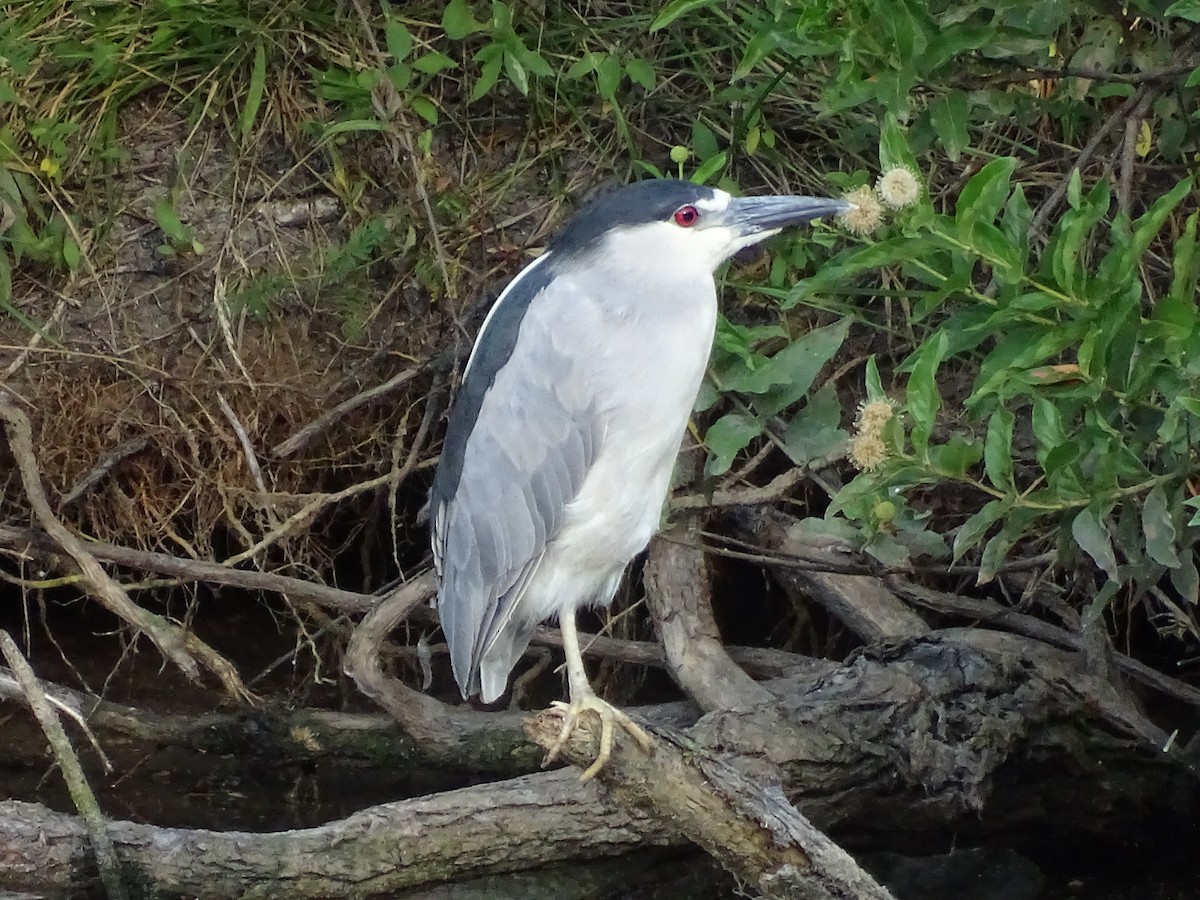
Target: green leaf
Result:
[847, 265]
[433, 62]
[948, 116]
[1158, 527]
[957, 41]
[517, 73]
[1048, 428]
[704, 142]
[489, 74]
[399, 40]
[997, 547]
[997, 450]
[425, 108]
[985, 193]
[458, 21]
[1193, 80]
[888, 551]
[640, 73]
[1185, 9]
[1075, 189]
[971, 532]
[1179, 305]
[994, 247]
[893, 146]
[70, 252]
[608, 77]
[349, 126]
[955, 458]
[710, 167]
[1186, 580]
[923, 398]
[1100, 602]
[675, 9]
[813, 434]
[534, 62]
[1093, 537]
[585, 65]
[875, 389]
[788, 375]
[168, 220]
[726, 438]
[254, 91]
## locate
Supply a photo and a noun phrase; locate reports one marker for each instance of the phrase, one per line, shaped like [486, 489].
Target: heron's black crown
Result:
[639, 203]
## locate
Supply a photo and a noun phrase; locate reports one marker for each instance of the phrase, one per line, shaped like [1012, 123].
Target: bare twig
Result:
[24, 540]
[247, 449]
[1133, 126]
[72, 771]
[301, 438]
[773, 490]
[177, 644]
[1133, 108]
[100, 470]
[1103, 75]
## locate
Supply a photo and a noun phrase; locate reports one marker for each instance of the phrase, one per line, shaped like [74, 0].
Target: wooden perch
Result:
[677, 594]
[975, 730]
[749, 826]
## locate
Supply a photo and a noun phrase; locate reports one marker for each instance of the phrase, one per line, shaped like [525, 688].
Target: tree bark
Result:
[972, 730]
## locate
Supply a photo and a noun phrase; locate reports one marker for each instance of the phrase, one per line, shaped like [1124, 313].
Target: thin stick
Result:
[176, 644]
[72, 771]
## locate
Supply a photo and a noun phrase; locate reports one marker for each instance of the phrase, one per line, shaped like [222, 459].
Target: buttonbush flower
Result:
[868, 450]
[867, 213]
[898, 187]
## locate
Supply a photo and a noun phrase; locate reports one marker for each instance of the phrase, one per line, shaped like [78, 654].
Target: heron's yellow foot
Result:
[608, 715]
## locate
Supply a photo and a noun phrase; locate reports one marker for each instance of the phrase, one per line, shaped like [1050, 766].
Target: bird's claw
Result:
[608, 716]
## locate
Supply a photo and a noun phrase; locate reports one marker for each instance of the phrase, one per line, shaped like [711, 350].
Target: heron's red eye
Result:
[686, 216]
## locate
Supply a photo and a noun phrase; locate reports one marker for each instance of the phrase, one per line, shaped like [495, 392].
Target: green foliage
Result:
[770, 385]
[1084, 375]
[1047, 372]
[337, 279]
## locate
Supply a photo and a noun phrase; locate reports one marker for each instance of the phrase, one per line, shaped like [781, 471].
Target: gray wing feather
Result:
[527, 454]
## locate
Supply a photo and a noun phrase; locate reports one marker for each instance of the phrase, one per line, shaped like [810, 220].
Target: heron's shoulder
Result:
[493, 348]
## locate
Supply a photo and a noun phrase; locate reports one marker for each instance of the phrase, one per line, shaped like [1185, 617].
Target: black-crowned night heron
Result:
[561, 442]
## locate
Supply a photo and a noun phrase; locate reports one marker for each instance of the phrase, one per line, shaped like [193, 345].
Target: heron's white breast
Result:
[643, 348]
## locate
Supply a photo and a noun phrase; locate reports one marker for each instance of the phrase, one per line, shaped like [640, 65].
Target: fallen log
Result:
[966, 729]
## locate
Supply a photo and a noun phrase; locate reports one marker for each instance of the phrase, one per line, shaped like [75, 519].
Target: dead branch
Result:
[178, 645]
[980, 609]
[862, 602]
[976, 730]
[100, 470]
[68, 763]
[747, 825]
[762, 661]
[305, 435]
[455, 736]
[677, 593]
[28, 541]
[512, 825]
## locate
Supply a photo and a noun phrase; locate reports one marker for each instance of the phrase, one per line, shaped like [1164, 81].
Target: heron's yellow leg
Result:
[584, 699]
